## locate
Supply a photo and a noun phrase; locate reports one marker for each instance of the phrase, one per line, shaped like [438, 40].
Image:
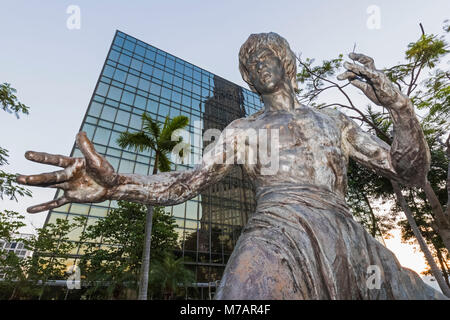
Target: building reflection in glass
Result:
[138, 78]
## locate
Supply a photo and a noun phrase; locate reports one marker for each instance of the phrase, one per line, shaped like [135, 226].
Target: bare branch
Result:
[421, 27]
[352, 106]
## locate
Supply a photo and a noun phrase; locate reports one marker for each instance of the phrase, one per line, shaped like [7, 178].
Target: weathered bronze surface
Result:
[302, 242]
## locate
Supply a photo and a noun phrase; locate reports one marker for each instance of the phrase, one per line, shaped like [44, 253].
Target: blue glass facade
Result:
[138, 78]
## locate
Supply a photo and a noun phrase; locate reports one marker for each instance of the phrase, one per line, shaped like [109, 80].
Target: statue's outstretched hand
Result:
[87, 179]
[409, 151]
[374, 83]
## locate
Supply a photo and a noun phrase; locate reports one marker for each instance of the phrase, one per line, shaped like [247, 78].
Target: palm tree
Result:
[169, 275]
[152, 137]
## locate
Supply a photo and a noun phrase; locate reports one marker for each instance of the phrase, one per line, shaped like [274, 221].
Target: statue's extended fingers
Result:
[363, 59]
[64, 185]
[48, 205]
[96, 165]
[88, 150]
[44, 179]
[362, 71]
[47, 158]
[347, 75]
[367, 89]
[361, 85]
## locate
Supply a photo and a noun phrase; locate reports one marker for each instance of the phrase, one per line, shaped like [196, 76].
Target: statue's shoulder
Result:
[247, 122]
[335, 115]
[239, 123]
[330, 112]
[255, 115]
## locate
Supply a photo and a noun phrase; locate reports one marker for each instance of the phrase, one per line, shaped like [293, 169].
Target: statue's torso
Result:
[310, 150]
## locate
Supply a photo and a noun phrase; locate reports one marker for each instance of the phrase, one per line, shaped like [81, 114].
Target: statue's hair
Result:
[278, 45]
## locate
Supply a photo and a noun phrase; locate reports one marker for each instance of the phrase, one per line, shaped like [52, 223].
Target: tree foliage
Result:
[169, 277]
[161, 141]
[109, 271]
[113, 267]
[26, 278]
[10, 264]
[156, 138]
[9, 101]
[10, 104]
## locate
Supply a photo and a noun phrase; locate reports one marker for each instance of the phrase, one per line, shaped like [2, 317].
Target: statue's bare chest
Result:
[302, 130]
[309, 148]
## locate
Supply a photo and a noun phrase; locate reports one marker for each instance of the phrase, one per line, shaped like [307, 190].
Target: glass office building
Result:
[137, 78]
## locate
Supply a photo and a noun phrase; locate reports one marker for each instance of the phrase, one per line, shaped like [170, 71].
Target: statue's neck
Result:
[281, 100]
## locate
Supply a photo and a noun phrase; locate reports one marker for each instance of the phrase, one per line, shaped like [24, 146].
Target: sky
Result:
[55, 68]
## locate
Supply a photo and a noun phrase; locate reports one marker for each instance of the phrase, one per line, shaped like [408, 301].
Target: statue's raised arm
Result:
[93, 179]
[407, 160]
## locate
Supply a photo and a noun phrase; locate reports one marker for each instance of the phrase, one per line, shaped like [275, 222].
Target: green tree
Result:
[10, 221]
[159, 140]
[423, 213]
[51, 247]
[432, 96]
[113, 268]
[420, 78]
[169, 277]
[27, 277]
[10, 264]
[10, 104]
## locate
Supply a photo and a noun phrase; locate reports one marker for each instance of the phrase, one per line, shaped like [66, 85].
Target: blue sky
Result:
[55, 69]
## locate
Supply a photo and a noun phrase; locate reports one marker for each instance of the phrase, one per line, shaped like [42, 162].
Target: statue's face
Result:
[265, 70]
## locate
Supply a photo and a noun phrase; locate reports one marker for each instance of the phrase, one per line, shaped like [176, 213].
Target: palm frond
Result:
[163, 163]
[178, 122]
[138, 141]
[168, 145]
[151, 126]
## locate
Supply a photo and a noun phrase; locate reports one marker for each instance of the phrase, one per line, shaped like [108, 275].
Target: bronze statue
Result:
[302, 242]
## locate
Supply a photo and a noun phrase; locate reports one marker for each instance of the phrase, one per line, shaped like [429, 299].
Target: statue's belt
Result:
[304, 195]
